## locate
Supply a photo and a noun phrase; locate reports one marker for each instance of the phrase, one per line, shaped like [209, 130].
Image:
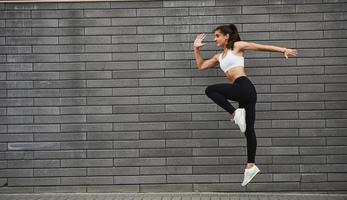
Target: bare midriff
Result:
[234, 73]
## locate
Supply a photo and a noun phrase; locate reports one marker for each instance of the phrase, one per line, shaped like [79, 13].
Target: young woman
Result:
[241, 89]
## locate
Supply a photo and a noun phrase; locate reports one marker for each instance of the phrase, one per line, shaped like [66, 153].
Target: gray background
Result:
[106, 97]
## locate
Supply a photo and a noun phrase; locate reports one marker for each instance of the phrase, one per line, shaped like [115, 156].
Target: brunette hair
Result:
[233, 34]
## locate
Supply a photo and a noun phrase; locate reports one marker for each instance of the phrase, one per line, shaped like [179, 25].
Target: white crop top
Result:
[230, 60]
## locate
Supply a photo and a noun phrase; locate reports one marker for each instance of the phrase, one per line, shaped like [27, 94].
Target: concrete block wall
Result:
[106, 97]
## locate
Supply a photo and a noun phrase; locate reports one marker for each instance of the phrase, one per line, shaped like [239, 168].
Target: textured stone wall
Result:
[106, 97]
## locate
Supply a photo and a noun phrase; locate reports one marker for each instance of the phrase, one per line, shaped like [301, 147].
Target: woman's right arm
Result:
[204, 64]
[200, 62]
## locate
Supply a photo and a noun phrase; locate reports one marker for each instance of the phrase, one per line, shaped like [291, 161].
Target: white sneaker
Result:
[250, 174]
[240, 119]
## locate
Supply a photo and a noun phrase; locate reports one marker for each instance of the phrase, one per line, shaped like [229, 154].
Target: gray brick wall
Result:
[106, 97]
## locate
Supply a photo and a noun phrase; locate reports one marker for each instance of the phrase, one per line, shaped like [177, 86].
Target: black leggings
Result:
[242, 91]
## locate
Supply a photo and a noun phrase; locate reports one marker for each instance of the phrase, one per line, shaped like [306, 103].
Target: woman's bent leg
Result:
[220, 93]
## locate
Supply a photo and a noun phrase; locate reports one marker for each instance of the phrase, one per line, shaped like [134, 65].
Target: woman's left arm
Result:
[242, 45]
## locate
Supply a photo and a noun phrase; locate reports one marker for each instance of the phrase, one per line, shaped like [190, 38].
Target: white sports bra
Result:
[231, 60]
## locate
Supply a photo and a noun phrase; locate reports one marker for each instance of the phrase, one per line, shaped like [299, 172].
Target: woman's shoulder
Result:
[240, 44]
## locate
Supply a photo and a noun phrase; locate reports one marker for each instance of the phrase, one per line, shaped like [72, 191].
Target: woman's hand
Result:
[198, 40]
[290, 52]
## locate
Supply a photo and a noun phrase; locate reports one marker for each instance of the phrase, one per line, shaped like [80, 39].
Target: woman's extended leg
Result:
[251, 169]
[250, 133]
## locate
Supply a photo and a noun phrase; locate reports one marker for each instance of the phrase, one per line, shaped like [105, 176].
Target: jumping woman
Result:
[241, 89]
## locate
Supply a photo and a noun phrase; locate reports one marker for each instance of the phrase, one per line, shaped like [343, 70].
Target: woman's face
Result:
[220, 39]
